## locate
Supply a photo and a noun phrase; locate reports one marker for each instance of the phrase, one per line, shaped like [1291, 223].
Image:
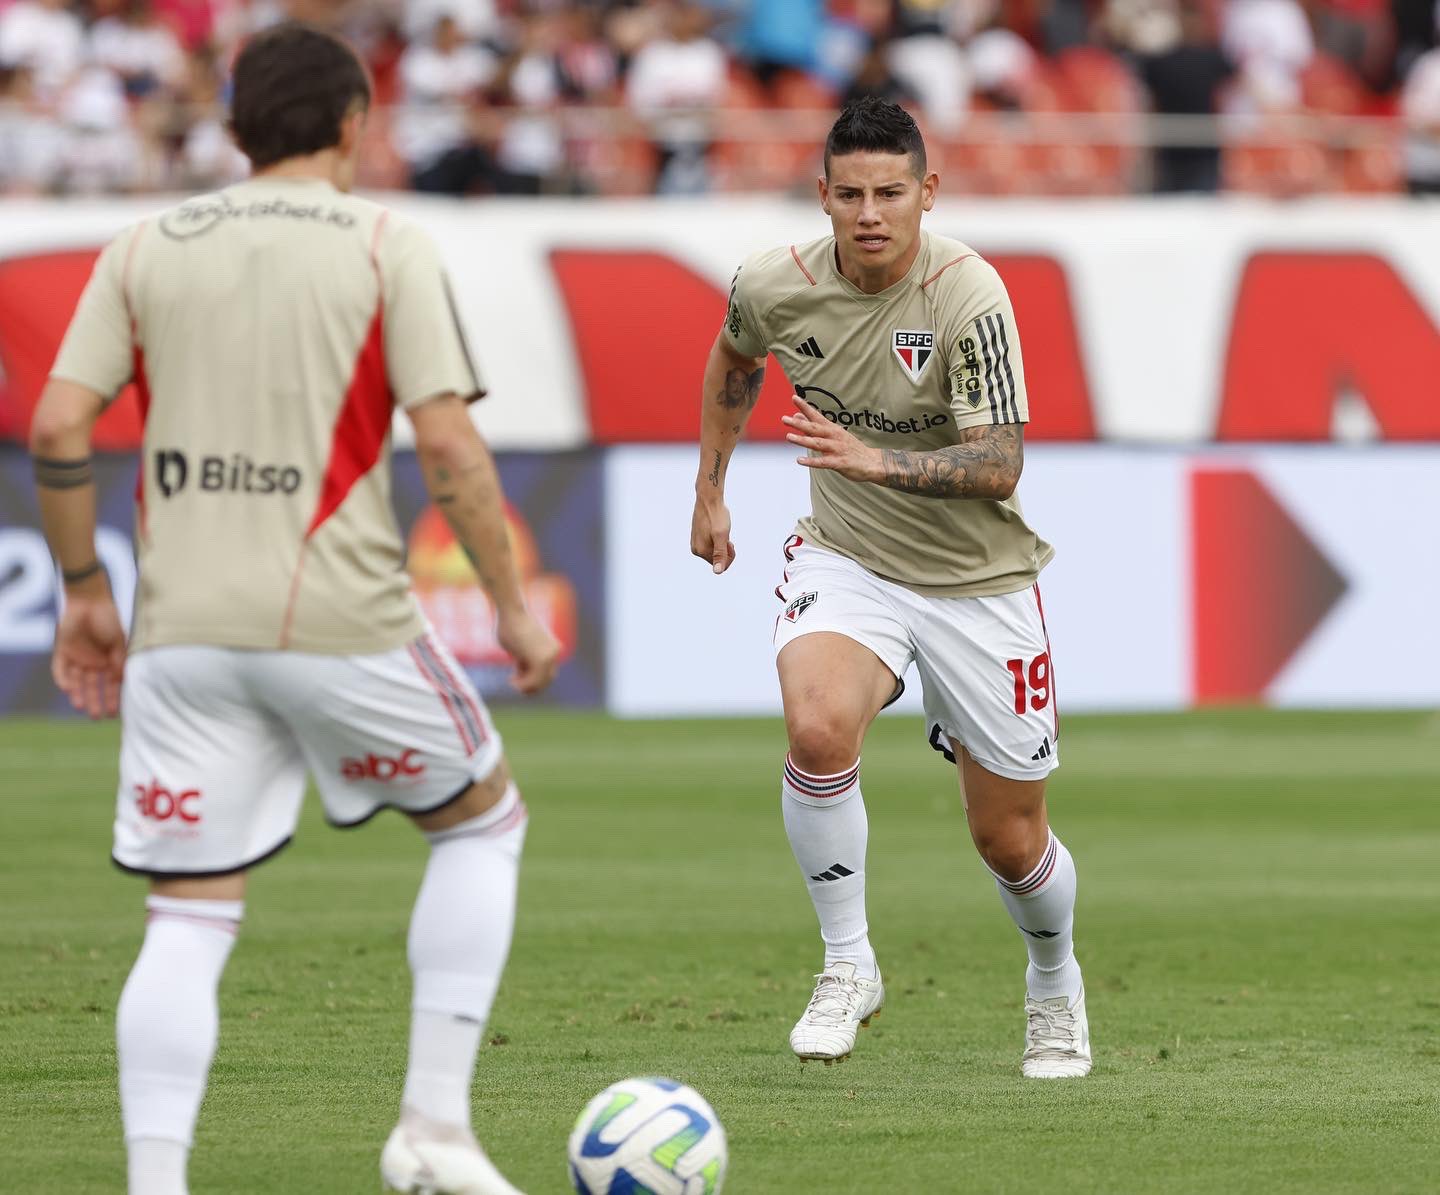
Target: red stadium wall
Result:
[1142, 322]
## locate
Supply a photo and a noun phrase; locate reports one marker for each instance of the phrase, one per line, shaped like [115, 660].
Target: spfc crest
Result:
[799, 606]
[913, 350]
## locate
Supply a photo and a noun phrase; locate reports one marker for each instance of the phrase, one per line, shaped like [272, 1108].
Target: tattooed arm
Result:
[730, 390]
[986, 464]
[460, 475]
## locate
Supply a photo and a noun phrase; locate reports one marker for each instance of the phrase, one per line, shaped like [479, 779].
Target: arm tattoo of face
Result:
[986, 465]
[714, 477]
[741, 389]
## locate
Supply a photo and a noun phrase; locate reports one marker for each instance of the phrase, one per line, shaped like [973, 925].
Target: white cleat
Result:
[841, 1005]
[426, 1158]
[1057, 1039]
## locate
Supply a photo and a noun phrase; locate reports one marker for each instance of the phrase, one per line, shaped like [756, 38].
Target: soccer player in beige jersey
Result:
[910, 403]
[271, 329]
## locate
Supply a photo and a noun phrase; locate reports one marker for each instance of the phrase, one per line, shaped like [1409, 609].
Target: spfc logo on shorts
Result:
[799, 605]
[913, 350]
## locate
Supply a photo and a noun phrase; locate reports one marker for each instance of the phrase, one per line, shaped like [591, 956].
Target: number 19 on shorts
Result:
[1032, 682]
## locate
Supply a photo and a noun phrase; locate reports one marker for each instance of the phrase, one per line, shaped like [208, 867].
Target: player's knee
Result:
[1010, 846]
[822, 743]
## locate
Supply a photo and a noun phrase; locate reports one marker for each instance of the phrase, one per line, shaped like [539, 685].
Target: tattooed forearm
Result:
[714, 475]
[986, 465]
[741, 389]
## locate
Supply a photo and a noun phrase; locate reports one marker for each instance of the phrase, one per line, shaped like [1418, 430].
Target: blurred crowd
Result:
[679, 97]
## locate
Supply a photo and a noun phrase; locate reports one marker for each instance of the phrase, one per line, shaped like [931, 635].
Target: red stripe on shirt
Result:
[809, 276]
[361, 427]
[953, 262]
[142, 394]
[364, 418]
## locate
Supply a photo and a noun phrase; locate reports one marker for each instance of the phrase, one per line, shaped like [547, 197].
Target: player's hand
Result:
[89, 659]
[710, 534]
[831, 446]
[534, 649]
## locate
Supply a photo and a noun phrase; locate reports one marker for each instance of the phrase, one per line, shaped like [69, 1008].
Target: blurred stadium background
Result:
[596, 171]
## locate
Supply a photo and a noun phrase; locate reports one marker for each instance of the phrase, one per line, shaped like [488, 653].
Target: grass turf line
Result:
[1256, 923]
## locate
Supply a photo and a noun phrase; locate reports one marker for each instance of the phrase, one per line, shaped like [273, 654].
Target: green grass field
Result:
[1257, 922]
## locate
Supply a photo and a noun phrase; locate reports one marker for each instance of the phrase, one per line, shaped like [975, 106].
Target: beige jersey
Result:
[906, 368]
[271, 329]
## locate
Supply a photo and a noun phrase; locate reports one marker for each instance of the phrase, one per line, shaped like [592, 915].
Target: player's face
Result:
[874, 202]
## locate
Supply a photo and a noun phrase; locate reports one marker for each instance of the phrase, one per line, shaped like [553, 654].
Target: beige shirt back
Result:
[271, 329]
[907, 368]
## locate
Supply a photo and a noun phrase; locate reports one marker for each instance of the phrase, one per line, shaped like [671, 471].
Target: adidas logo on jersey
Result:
[1044, 752]
[811, 348]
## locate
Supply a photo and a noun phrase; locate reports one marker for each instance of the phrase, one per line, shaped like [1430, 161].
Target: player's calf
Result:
[166, 1029]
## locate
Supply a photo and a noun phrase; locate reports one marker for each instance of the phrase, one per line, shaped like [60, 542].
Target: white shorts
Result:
[983, 662]
[216, 743]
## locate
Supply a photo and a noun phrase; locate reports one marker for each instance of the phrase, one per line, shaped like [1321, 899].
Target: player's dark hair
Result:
[876, 126]
[293, 87]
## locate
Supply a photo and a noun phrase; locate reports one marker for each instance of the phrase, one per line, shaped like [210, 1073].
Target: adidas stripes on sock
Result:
[166, 1029]
[459, 939]
[1042, 905]
[828, 830]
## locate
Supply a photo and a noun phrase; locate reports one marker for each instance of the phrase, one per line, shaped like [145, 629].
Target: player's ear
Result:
[929, 185]
[823, 185]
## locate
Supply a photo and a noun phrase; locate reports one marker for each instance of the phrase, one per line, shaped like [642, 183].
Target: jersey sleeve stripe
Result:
[476, 389]
[1009, 376]
[954, 261]
[984, 338]
[809, 277]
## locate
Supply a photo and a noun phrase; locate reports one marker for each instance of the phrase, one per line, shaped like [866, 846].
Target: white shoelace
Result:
[1052, 1030]
[835, 999]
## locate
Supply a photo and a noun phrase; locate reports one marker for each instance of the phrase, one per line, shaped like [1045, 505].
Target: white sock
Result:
[156, 1167]
[1042, 905]
[459, 939]
[828, 830]
[165, 1032]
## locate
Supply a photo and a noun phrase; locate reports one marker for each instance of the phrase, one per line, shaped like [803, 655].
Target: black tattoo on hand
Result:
[986, 465]
[714, 477]
[741, 389]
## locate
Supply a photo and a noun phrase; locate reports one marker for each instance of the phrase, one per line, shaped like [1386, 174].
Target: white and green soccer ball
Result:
[648, 1137]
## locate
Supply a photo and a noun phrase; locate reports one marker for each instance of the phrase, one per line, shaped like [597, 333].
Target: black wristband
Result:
[73, 576]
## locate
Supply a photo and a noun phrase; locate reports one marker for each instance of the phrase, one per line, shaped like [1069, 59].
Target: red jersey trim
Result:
[953, 262]
[808, 275]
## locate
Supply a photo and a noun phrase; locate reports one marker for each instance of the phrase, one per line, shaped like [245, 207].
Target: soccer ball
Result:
[648, 1137]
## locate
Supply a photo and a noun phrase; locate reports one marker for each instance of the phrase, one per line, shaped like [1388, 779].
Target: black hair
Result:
[294, 85]
[877, 126]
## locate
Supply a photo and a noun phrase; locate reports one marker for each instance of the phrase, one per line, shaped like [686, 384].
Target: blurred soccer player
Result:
[271, 329]
[910, 403]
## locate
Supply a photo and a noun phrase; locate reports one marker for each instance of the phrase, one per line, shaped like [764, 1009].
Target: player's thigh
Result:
[989, 685]
[210, 781]
[841, 651]
[400, 729]
[476, 800]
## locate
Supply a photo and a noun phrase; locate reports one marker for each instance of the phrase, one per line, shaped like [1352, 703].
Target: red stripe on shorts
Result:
[424, 669]
[462, 693]
[1049, 655]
